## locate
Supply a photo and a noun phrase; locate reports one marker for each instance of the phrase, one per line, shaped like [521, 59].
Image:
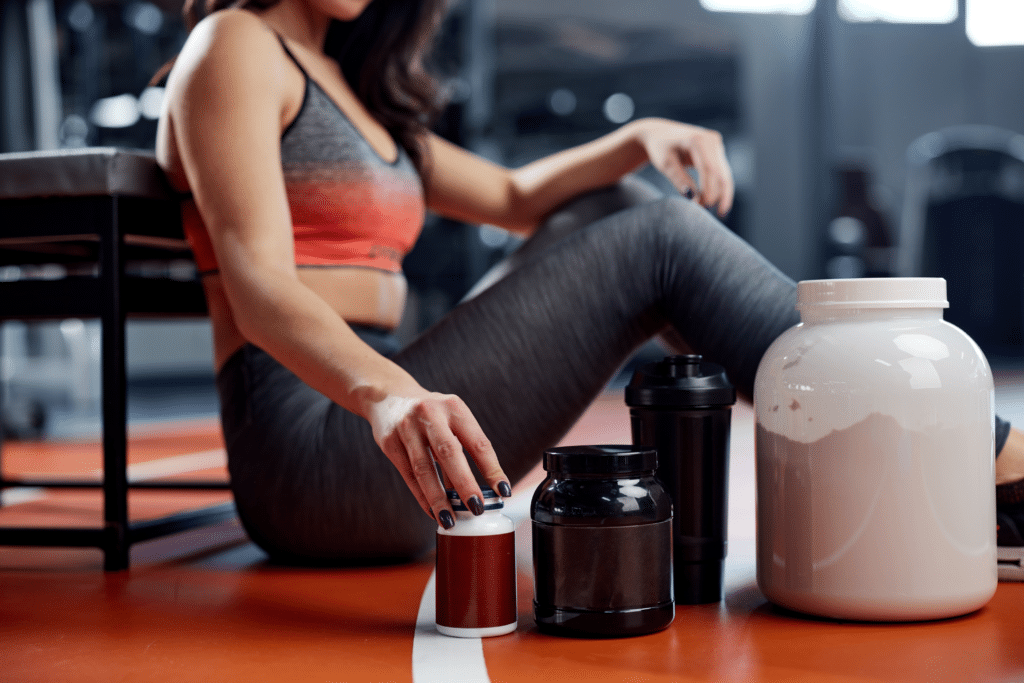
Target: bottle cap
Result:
[492, 501]
[680, 381]
[600, 459]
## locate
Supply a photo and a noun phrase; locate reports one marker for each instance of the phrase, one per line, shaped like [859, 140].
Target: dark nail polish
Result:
[475, 505]
[504, 490]
[447, 521]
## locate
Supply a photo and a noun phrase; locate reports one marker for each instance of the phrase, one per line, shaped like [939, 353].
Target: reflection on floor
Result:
[205, 605]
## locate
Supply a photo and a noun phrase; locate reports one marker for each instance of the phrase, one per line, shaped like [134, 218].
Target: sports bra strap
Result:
[290, 55]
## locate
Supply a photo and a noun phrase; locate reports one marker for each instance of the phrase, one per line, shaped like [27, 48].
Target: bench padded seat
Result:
[82, 172]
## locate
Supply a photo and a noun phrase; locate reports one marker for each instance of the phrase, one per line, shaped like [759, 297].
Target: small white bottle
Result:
[875, 463]
[476, 572]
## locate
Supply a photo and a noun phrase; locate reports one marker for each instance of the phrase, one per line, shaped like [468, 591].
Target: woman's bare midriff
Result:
[362, 296]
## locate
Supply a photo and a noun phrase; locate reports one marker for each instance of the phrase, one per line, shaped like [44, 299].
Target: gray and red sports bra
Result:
[349, 206]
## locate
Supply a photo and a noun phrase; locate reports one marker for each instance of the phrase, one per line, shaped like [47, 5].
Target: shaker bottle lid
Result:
[492, 501]
[686, 381]
[601, 459]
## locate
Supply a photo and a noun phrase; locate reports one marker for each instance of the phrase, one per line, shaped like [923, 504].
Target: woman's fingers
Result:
[674, 147]
[730, 184]
[421, 463]
[433, 435]
[398, 455]
[708, 156]
[723, 174]
[435, 421]
[451, 432]
[472, 437]
[675, 170]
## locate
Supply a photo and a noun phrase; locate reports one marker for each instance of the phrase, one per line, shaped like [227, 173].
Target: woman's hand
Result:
[417, 429]
[674, 147]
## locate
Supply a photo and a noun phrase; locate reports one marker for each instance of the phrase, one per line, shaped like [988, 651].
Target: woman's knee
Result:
[683, 227]
[679, 212]
[573, 216]
[631, 191]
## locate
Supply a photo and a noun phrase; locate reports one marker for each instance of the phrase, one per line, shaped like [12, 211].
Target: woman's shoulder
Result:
[229, 38]
[231, 65]
[235, 21]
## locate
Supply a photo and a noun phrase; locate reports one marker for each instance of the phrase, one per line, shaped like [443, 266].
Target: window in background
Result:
[899, 11]
[995, 22]
[759, 6]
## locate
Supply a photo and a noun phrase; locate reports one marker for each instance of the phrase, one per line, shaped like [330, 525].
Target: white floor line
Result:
[143, 471]
[9, 497]
[176, 464]
[441, 659]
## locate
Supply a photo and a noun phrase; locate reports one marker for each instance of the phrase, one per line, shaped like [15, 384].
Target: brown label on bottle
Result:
[476, 580]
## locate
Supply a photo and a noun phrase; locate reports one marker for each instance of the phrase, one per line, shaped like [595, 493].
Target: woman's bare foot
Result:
[1010, 463]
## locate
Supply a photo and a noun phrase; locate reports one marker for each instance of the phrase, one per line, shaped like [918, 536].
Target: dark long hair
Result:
[381, 54]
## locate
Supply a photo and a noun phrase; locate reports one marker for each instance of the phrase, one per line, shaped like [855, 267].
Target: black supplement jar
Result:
[602, 543]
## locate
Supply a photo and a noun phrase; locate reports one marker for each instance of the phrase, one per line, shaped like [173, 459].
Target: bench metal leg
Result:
[115, 408]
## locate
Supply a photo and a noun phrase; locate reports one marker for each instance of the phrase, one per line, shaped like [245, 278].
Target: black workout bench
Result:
[105, 220]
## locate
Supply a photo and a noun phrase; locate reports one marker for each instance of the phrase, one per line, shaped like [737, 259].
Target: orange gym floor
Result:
[206, 606]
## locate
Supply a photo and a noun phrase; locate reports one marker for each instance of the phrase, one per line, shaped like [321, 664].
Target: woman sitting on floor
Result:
[300, 129]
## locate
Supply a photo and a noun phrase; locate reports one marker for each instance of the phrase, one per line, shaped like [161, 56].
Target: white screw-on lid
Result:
[873, 292]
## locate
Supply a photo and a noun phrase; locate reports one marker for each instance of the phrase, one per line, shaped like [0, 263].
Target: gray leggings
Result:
[528, 351]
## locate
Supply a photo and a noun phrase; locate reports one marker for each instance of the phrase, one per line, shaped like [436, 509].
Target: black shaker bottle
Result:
[682, 406]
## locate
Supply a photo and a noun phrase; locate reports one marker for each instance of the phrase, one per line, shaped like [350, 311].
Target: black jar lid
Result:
[603, 459]
[680, 381]
[492, 501]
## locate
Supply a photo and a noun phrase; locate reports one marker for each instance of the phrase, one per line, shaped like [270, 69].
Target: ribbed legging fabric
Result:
[528, 351]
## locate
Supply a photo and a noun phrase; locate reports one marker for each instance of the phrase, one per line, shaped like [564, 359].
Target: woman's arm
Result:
[466, 187]
[228, 102]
